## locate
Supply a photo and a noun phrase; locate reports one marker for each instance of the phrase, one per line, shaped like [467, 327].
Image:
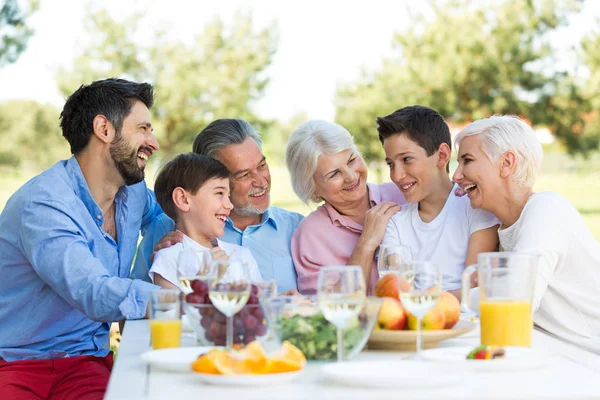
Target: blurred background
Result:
[277, 64]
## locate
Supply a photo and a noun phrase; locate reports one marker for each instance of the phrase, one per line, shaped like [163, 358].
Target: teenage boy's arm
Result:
[59, 253]
[481, 241]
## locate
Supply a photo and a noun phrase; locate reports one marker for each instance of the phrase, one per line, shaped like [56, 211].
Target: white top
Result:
[566, 299]
[444, 240]
[165, 260]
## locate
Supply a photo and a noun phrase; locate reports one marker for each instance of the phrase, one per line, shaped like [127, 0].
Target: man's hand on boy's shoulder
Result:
[167, 241]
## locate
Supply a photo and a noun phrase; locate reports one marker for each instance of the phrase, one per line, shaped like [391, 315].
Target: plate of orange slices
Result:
[250, 366]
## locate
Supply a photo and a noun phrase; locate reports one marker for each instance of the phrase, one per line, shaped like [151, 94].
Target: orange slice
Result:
[287, 359]
[206, 363]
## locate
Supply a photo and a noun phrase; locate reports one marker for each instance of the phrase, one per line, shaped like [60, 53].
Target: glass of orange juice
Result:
[165, 318]
[505, 293]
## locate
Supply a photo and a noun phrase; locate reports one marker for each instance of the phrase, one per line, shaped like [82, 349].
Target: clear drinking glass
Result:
[194, 268]
[420, 288]
[230, 290]
[165, 318]
[341, 294]
[392, 258]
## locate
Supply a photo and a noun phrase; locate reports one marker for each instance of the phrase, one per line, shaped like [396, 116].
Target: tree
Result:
[470, 60]
[220, 74]
[14, 33]
[30, 134]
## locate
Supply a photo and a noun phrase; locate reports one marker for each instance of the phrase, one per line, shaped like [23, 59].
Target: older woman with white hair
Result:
[499, 158]
[325, 166]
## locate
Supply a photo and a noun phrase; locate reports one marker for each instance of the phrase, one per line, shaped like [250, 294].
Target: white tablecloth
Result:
[575, 374]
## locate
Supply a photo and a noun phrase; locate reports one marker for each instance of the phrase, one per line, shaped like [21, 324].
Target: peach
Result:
[391, 315]
[387, 286]
[434, 320]
[451, 309]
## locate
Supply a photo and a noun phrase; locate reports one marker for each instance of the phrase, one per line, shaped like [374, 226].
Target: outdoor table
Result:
[574, 375]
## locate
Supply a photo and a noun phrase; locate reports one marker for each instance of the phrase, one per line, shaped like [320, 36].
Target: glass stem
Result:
[340, 345]
[419, 337]
[229, 332]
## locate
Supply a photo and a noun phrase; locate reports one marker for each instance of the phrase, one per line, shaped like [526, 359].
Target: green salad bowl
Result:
[299, 320]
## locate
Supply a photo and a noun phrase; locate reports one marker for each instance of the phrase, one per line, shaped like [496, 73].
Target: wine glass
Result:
[420, 288]
[230, 290]
[341, 293]
[392, 258]
[195, 271]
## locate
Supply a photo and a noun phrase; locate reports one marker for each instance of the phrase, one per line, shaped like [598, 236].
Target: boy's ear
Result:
[103, 129]
[180, 199]
[444, 154]
[508, 164]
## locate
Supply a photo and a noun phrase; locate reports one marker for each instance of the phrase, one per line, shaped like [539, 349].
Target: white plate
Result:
[175, 360]
[515, 358]
[392, 374]
[248, 380]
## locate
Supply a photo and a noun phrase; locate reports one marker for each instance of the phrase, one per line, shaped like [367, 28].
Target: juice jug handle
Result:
[465, 306]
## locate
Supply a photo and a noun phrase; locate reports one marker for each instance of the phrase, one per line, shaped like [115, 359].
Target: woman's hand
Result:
[167, 241]
[376, 220]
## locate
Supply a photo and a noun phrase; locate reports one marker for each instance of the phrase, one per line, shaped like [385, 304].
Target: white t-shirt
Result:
[445, 240]
[566, 299]
[165, 260]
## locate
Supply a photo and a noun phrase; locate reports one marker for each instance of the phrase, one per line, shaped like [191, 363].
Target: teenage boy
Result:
[437, 225]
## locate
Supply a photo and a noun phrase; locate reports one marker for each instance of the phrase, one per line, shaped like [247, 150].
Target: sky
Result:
[321, 43]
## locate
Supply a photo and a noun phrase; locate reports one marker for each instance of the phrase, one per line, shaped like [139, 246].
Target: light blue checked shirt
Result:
[63, 280]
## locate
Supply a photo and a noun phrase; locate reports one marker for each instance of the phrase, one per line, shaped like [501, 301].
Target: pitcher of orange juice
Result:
[505, 292]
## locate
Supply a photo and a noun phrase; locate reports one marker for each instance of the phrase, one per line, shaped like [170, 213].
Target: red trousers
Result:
[76, 378]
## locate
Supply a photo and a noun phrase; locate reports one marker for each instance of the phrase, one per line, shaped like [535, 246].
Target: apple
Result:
[392, 315]
[451, 309]
[434, 320]
[387, 286]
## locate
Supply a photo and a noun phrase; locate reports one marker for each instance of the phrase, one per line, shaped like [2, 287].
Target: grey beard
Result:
[249, 210]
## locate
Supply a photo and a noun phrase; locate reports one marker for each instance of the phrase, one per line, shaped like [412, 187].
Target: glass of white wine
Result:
[195, 271]
[341, 294]
[230, 291]
[420, 288]
[392, 258]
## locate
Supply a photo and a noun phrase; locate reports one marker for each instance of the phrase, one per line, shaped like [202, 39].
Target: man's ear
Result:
[103, 129]
[444, 154]
[508, 164]
[180, 199]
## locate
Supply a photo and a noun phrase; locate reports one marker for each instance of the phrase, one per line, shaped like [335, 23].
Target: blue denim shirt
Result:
[63, 280]
[269, 243]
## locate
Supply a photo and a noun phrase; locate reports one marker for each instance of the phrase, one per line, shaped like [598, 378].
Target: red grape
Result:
[250, 322]
[194, 298]
[199, 287]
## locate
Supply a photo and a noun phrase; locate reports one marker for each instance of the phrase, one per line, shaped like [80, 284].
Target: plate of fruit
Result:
[491, 358]
[249, 365]
[396, 327]
[177, 359]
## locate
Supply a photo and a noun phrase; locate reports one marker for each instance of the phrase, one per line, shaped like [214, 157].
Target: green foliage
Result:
[14, 34]
[218, 74]
[470, 60]
[30, 134]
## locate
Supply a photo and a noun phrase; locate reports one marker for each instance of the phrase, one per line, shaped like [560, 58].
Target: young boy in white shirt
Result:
[193, 190]
[437, 225]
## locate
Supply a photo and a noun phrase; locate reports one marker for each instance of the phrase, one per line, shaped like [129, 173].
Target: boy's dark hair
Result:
[189, 171]
[423, 125]
[112, 98]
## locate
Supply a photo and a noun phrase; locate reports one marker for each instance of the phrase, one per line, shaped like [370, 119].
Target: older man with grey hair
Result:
[265, 230]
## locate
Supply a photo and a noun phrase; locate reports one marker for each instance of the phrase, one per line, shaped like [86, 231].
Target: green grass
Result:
[576, 179]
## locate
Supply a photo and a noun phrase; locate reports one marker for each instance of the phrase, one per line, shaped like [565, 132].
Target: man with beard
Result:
[265, 230]
[67, 240]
